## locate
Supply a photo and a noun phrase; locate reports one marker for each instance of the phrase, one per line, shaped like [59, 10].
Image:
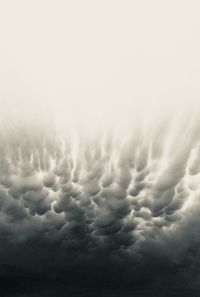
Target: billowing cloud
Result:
[129, 205]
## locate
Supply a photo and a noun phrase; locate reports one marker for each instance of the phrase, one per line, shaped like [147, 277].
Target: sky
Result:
[86, 60]
[100, 142]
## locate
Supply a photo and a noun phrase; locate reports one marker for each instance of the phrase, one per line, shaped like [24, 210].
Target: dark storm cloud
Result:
[132, 205]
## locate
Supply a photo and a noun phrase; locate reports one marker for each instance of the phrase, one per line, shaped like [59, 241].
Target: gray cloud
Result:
[133, 205]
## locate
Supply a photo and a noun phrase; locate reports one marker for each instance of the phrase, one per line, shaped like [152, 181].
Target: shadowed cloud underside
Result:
[104, 207]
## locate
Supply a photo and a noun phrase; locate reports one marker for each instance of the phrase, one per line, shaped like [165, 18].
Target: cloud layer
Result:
[102, 208]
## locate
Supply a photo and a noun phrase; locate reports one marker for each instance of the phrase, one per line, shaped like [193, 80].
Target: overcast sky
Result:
[90, 58]
[126, 202]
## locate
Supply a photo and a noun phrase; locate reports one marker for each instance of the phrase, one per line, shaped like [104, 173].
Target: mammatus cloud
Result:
[110, 203]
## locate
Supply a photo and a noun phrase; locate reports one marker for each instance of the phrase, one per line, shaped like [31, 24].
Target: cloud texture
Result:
[104, 207]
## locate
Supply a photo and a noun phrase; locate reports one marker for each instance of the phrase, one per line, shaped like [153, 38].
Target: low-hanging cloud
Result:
[130, 204]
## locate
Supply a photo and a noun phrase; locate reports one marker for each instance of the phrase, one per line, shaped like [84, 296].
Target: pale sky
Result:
[95, 60]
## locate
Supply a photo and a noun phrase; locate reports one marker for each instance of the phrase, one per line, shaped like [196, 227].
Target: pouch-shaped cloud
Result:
[132, 204]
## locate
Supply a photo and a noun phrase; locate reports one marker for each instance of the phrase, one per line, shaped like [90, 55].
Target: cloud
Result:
[130, 205]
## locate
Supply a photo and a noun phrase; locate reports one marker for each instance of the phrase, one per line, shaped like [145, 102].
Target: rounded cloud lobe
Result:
[104, 208]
